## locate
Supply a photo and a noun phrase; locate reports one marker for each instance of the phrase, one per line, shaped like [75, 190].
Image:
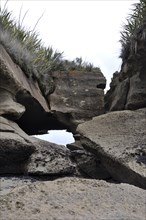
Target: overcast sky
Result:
[87, 29]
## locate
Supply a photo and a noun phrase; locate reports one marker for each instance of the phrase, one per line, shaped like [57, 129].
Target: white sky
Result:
[87, 29]
[59, 137]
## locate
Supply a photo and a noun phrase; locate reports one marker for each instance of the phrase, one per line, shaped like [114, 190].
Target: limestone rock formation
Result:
[128, 88]
[50, 159]
[21, 99]
[14, 80]
[15, 148]
[21, 154]
[119, 141]
[78, 96]
[22, 104]
[38, 179]
[73, 198]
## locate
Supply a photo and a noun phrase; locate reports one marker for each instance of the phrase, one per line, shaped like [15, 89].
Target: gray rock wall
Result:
[78, 96]
[128, 87]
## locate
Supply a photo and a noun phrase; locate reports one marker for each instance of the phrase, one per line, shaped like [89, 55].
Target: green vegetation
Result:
[129, 34]
[79, 64]
[25, 47]
[28, 51]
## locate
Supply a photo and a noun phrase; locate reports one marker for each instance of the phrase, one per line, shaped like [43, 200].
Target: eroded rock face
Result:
[128, 87]
[15, 148]
[119, 141]
[73, 198]
[78, 96]
[15, 87]
[50, 159]
[22, 154]
[87, 164]
[129, 92]
[8, 105]
[14, 80]
[21, 99]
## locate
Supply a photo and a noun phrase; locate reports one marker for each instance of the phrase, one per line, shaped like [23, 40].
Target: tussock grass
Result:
[135, 21]
[27, 50]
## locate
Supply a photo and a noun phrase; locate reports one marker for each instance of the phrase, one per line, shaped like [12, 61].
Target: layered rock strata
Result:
[118, 139]
[78, 96]
[21, 99]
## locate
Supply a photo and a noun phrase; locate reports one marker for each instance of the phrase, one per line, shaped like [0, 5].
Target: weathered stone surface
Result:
[14, 80]
[35, 120]
[15, 148]
[73, 198]
[21, 154]
[78, 96]
[128, 88]
[50, 159]
[22, 100]
[119, 141]
[128, 93]
[8, 106]
[88, 165]
[9, 182]
[137, 93]
[116, 97]
[75, 146]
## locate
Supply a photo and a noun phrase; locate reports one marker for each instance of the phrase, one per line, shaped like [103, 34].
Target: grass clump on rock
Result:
[136, 22]
[27, 50]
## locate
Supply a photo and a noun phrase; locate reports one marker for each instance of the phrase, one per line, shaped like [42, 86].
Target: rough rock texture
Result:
[116, 97]
[119, 141]
[110, 147]
[21, 154]
[9, 182]
[15, 148]
[128, 88]
[87, 164]
[14, 80]
[50, 159]
[72, 198]
[21, 98]
[78, 96]
[8, 106]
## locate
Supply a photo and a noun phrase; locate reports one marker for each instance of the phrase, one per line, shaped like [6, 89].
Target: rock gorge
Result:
[102, 175]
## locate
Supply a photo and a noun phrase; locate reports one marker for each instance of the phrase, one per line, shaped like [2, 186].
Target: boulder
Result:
[50, 159]
[15, 148]
[22, 154]
[78, 96]
[119, 141]
[73, 198]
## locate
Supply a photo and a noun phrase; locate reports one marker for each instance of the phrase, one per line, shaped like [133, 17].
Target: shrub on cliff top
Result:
[25, 47]
[134, 21]
[28, 51]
